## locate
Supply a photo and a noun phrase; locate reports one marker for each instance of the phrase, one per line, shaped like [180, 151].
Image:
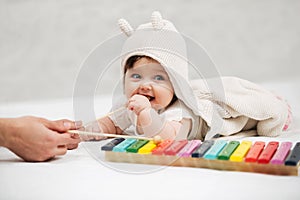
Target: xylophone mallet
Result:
[156, 139]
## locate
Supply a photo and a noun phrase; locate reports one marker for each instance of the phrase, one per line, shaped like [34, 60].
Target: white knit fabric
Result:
[226, 104]
[243, 101]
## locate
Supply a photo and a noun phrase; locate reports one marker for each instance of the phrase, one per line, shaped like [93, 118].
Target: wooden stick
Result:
[108, 135]
[156, 139]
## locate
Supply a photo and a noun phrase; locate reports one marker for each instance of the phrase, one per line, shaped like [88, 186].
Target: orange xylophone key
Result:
[161, 147]
[175, 147]
[254, 152]
[268, 153]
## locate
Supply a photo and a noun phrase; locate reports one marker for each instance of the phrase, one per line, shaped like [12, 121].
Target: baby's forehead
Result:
[146, 60]
[148, 67]
[148, 64]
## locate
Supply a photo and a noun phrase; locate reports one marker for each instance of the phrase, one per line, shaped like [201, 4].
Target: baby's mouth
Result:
[150, 98]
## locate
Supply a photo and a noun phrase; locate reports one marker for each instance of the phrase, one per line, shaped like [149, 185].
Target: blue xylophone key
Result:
[109, 146]
[213, 152]
[123, 145]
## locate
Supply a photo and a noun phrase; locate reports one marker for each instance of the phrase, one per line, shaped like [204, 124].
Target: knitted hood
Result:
[160, 40]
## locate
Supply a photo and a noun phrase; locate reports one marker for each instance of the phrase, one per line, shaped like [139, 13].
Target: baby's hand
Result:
[137, 103]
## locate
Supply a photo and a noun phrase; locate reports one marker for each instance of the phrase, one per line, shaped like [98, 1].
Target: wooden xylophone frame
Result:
[166, 160]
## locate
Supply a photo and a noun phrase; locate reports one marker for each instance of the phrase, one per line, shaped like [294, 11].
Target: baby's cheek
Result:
[166, 87]
[129, 89]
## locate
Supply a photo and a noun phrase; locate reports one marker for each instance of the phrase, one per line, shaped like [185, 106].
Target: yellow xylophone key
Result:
[147, 148]
[239, 154]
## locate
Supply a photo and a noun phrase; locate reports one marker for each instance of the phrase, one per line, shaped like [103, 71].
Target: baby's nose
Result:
[145, 87]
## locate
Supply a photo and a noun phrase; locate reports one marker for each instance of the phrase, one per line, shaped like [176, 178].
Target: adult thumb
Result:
[63, 125]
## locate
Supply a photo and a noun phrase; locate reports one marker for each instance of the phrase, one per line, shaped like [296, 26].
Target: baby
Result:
[159, 99]
[151, 103]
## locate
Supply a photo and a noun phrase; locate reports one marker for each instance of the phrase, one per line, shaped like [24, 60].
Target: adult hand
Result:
[37, 139]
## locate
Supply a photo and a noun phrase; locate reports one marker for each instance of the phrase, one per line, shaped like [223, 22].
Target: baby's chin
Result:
[156, 107]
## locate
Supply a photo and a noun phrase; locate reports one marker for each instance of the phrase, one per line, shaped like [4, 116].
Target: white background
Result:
[43, 43]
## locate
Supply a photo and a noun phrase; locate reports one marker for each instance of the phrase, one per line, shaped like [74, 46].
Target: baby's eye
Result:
[159, 78]
[135, 76]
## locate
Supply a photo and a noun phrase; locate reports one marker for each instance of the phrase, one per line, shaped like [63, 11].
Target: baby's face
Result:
[148, 78]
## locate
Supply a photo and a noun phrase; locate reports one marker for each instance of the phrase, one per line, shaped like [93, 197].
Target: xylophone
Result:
[260, 157]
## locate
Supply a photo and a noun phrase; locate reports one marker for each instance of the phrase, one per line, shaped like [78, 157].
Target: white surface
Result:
[79, 175]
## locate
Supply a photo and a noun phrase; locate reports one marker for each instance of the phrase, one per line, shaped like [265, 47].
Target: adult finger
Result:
[75, 144]
[72, 146]
[61, 150]
[63, 125]
[65, 139]
[68, 124]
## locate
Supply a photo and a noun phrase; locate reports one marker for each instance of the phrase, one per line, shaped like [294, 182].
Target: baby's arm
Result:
[164, 128]
[104, 125]
[151, 123]
[107, 126]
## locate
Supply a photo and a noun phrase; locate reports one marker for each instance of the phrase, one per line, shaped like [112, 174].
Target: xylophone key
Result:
[213, 152]
[175, 147]
[161, 147]
[294, 156]
[239, 154]
[133, 148]
[268, 152]
[109, 146]
[147, 148]
[123, 145]
[228, 150]
[189, 148]
[202, 149]
[281, 153]
[254, 152]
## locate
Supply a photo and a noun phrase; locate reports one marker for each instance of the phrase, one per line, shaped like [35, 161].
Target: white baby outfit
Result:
[225, 105]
